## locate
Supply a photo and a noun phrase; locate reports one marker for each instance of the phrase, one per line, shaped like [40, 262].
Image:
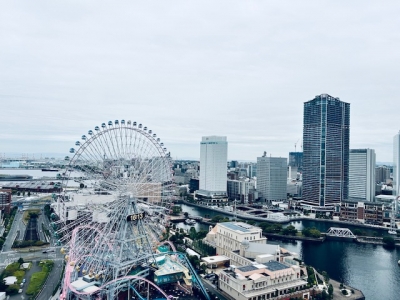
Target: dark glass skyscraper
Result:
[326, 136]
[296, 160]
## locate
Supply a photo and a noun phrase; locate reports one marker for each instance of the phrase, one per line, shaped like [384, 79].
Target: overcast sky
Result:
[187, 69]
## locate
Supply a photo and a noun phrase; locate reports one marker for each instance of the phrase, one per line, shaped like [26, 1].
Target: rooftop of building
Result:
[213, 138]
[247, 268]
[365, 202]
[263, 248]
[215, 259]
[240, 227]
[272, 265]
[275, 265]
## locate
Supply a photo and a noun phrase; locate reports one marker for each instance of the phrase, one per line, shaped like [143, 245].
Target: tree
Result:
[176, 210]
[192, 233]
[20, 260]
[201, 234]
[311, 232]
[289, 230]
[12, 289]
[277, 227]
[326, 276]
[389, 241]
[186, 214]
[217, 219]
[324, 295]
[203, 267]
[330, 291]
[194, 260]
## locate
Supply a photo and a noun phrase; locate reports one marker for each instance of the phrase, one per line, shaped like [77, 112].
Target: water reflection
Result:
[370, 268]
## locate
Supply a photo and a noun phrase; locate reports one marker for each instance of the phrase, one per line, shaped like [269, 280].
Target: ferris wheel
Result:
[123, 156]
[118, 190]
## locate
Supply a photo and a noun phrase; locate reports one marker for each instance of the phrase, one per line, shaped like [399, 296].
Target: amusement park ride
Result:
[112, 214]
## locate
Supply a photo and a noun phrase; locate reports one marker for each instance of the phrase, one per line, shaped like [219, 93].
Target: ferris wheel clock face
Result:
[136, 217]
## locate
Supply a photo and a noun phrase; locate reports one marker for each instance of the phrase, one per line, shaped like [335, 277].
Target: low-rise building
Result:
[263, 281]
[228, 236]
[365, 212]
[257, 270]
[5, 200]
[241, 190]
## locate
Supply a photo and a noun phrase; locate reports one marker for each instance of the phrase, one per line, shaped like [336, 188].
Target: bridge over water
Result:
[340, 232]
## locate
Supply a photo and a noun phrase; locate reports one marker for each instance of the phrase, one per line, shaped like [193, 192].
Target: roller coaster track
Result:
[195, 278]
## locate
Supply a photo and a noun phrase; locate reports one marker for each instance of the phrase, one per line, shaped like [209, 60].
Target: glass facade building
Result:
[296, 160]
[326, 137]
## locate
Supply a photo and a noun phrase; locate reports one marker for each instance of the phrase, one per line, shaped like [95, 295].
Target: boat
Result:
[190, 221]
[6, 177]
[50, 170]
[392, 231]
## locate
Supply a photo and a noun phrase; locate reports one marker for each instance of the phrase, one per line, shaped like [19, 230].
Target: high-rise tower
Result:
[362, 174]
[213, 167]
[326, 136]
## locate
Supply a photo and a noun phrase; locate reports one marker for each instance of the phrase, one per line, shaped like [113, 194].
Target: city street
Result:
[17, 227]
[32, 254]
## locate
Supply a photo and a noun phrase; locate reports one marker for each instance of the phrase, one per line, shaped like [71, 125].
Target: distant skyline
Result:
[241, 69]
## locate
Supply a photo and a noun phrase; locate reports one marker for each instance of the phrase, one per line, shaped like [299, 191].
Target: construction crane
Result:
[295, 145]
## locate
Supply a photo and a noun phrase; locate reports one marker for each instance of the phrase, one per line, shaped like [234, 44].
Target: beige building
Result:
[263, 281]
[228, 236]
[258, 271]
[244, 244]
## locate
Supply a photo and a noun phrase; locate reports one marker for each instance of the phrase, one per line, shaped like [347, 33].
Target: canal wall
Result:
[291, 237]
[241, 216]
[364, 239]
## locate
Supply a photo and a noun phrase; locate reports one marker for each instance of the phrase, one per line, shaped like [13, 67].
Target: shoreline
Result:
[360, 239]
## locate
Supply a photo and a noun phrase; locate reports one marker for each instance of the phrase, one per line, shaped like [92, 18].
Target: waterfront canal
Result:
[369, 268]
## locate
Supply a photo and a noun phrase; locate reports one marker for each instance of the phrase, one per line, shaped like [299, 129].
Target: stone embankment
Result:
[353, 294]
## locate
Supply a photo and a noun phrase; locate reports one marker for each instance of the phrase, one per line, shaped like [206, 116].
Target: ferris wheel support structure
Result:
[107, 223]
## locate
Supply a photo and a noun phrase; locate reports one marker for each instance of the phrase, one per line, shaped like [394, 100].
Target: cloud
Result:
[187, 69]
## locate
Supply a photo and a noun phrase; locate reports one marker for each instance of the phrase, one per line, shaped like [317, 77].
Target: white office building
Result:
[396, 164]
[213, 167]
[271, 178]
[362, 174]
